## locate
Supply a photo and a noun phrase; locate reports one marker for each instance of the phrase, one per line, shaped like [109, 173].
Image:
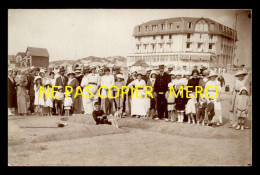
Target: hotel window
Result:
[153, 27]
[190, 25]
[211, 36]
[188, 36]
[153, 47]
[178, 27]
[212, 26]
[210, 46]
[139, 29]
[199, 45]
[188, 45]
[146, 28]
[153, 37]
[160, 45]
[162, 26]
[161, 36]
[138, 47]
[171, 26]
[145, 47]
[200, 36]
[170, 36]
[139, 38]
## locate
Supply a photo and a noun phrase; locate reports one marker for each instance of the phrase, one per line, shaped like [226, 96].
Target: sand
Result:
[37, 141]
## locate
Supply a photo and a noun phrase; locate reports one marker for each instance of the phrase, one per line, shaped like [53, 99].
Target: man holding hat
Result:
[160, 88]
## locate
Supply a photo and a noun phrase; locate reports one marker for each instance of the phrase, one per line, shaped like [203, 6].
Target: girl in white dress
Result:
[48, 100]
[39, 98]
[190, 109]
[212, 92]
[171, 100]
[138, 106]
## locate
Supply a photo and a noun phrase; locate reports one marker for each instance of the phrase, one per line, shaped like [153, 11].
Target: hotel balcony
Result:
[145, 42]
[153, 42]
[161, 41]
[170, 41]
[138, 42]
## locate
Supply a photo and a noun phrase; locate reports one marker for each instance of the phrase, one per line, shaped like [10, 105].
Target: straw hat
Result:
[212, 74]
[71, 72]
[177, 72]
[153, 72]
[241, 73]
[47, 82]
[170, 66]
[206, 72]
[172, 72]
[119, 76]
[37, 78]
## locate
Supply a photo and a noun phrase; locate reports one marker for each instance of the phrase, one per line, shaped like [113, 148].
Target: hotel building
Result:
[184, 41]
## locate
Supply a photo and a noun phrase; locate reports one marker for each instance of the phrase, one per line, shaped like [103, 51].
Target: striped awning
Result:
[185, 57]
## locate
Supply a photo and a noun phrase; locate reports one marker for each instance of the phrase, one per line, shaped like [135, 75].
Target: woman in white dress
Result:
[138, 106]
[212, 92]
[39, 99]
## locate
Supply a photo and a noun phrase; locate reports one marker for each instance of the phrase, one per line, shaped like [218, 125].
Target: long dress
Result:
[21, 82]
[76, 105]
[12, 101]
[138, 106]
[93, 81]
[48, 101]
[217, 104]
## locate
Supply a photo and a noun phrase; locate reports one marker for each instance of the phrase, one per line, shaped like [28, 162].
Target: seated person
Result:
[100, 117]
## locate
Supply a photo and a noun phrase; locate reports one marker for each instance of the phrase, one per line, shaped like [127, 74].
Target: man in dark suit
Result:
[12, 99]
[62, 79]
[160, 88]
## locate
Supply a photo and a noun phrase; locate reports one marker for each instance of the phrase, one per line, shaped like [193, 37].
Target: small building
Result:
[19, 58]
[11, 61]
[38, 57]
[139, 65]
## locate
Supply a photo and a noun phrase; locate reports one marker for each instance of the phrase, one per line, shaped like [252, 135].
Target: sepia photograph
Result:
[129, 87]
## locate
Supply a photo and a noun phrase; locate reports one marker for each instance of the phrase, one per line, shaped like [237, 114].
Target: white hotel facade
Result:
[184, 41]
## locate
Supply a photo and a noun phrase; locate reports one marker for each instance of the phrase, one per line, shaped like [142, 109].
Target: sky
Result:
[79, 33]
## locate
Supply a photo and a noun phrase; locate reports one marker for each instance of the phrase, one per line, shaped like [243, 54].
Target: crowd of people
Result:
[24, 94]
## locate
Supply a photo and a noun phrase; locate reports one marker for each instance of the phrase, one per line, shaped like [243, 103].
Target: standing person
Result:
[181, 99]
[222, 81]
[68, 105]
[107, 80]
[183, 71]
[147, 76]
[48, 100]
[193, 82]
[53, 82]
[190, 109]
[119, 100]
[39, 96]
[12, 101]
[34, 72]
[242, 104]
[79, 77]
[131, 78]
[21, 83]
[138, 107]
[204, 80]
[171, 100]
[59, 100]
[73, 82]
[195, 70]
[212, 92]
[238, 84]
[100, 73]
[151, 82]
[91, 80]
[61, 79]
[160, 88]
[170, 68]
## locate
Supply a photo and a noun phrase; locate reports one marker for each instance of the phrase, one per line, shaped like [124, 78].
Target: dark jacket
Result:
[11, 94]
[63, 83]
[161, 83]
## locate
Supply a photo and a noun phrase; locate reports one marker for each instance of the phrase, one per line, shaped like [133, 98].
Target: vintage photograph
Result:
[129, 87]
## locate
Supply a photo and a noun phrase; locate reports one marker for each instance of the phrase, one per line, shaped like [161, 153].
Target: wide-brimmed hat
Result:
[170, 66]
[120, 76]
[153, 72]
[47, 82]
[172, 72]
[42, 71]
[37, 78]
[10, 69]
[243, 88]
[205, 72]
[212, 74]
[139, 73]
[177, 72]
[71, 72]
[77, 70]
[241, 73]
[61, 70]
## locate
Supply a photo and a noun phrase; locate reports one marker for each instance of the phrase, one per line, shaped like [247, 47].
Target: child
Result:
[171, 100]
[242, 103]
[100, 117]
[119, 100]
[68, 104]
[190, 109]
[59, 101]
[181, 99]
[48, 100]
[39, 98]
[210, 111]
[201, 109]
